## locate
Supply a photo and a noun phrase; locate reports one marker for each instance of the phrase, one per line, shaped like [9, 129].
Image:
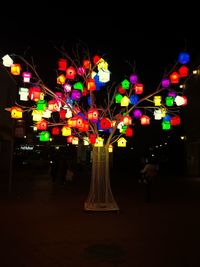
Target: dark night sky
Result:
[149, 42]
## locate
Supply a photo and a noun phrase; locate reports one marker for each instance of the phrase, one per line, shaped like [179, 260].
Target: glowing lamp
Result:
[24, 93]
[125, 101]
[121, 142]
[104, 75]
[66, 130]
[180, 100]
[127, 120]
[26, 76]
[129, 132]
[7, 61]
[125, 84]
[41, 105]
[62, 64]
[183, 58]
[44, 136]
[55, 131]
[133, 78]
[171, 93]
[96, 59]
[67, 87]
[15, 69]
[16, 113]
[69, 139]
[174, 77]
[76, 95]
[84, 127]
[61, 79]
[102, 64]
[138, 87]
[78, 86]
[86, 141]
[42, 125]
[175, 120]
[53, 105]
[165, 82]
[157, 100]
[99, 142]
[75, 140]
[35, 93]
[157, 114]
[81, 71]
[110, 148]
[37, 115]
[93, 115]
[118, 98]
[121, 90]
[91, 86]
[183, 71]
[169, 100]
[166, 125]
[62, 114]
[145, 120]
[92, 138]
[137, 113]
[105, 123]
[46, 114]
[70, 73]
[86, 64]
[134, 99]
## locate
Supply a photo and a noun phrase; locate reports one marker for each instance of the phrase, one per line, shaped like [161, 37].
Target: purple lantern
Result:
[165, 82]
[137, 113]
[76, 94]
[133, 78]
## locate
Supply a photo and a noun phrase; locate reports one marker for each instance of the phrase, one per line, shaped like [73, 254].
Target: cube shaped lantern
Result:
[26, 77]
[16, 69]
[16, 113]
[44, 136]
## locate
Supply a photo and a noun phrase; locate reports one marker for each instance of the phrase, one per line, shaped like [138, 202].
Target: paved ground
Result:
[44, 225]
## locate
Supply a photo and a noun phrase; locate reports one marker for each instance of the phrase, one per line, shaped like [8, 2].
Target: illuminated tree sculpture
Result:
[95, 111]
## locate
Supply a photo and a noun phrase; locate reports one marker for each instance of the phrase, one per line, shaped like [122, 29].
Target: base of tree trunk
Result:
[100, 206]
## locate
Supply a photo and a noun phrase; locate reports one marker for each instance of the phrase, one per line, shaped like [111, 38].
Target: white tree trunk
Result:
[100, 196]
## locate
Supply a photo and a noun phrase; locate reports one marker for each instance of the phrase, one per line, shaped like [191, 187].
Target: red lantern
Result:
[70, 73]
[62, 114]
[183, 71]
[129, 132]
[93, 114]
[96, 59]
[62, 64]
[35, 93]
[121, 90]
[175, 120]
[55, 131]
[86, 64]
[92, 138]
[84, 127]
[42, 125]
[105, 123]
[138, 88]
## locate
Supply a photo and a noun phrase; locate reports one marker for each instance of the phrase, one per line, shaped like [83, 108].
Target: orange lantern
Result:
[16, 69]
[174, 77]
[145, 120]
[93, 114]
[16, 113]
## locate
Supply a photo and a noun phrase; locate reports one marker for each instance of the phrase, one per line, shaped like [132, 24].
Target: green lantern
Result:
[118, 98]
[169, 100]
[44, 136]
[41, 105]
[166, 125]
[125, 84]
[78, 86]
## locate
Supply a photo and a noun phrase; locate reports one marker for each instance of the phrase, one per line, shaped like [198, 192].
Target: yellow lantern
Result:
[99, 142]
[125, 101]
[66, 131]
[16, 113]
[16, 69]
[157, 100]
[121, 142]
